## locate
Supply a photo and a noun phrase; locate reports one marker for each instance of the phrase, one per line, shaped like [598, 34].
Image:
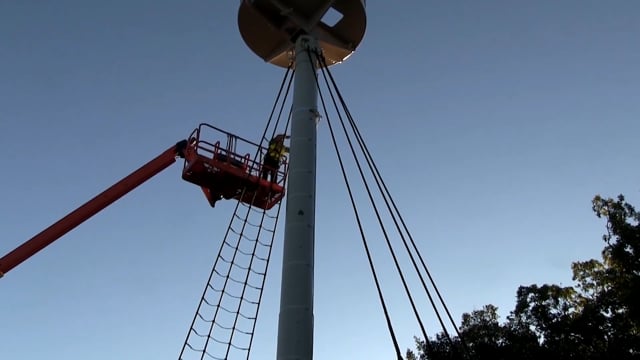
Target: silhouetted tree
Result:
[597, 318]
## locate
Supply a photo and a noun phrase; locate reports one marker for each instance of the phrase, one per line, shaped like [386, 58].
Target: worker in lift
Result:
[274, 156]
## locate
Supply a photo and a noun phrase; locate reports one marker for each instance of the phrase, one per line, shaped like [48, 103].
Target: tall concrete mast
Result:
[286, 32]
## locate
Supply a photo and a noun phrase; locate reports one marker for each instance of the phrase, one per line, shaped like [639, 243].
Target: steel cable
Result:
[393, 210]
[236, 249]
[360, 227]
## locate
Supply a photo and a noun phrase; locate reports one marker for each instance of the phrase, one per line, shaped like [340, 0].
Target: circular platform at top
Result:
[271, 27]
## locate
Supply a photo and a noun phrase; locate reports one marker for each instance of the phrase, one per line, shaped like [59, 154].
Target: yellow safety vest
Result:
[277, 149]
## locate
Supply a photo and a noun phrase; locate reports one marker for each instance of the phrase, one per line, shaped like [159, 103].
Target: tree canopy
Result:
[597, 318]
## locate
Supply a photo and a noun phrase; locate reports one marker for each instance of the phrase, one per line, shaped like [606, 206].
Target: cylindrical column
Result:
[295, 327]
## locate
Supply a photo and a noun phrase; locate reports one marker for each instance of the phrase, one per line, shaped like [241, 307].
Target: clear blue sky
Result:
[494, 124]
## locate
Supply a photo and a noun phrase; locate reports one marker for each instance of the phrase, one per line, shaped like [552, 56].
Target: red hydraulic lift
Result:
[217, 169]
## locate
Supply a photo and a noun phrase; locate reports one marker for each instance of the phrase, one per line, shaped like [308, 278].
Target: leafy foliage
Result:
[597, 318]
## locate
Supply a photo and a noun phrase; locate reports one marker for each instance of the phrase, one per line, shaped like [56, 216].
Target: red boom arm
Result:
[90, 208]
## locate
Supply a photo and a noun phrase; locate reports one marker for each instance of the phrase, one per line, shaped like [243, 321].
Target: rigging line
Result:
[226, 280]
[288, 74]
[250, 302]
[380, 222]
[236, 208]
[366, 150]
[275, 104]
[254, 225]
[269, 230]
[231, 329]
[193, 348]
[286, 126]
[239, 347]
[198, 334]
[231, 263]
[246, 280]
[264, 278]
[241, 233]
[357, 216]
[213, 357]
[204, 293]
[395, 221]
[248, 269]
[275, 128]
[232, 313]
[245, 253]
[213, 320]
[245, 333]
[276, 218]
[241, 236]
[262, 258]
[230, 245]
[266, 245]
[261, 227]
[202, 318]
[237, 297]
[255, 211]
[214, 289]
[206, 301]
[250, 239]
[224, 327]
[223, 342]
[229, 277]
